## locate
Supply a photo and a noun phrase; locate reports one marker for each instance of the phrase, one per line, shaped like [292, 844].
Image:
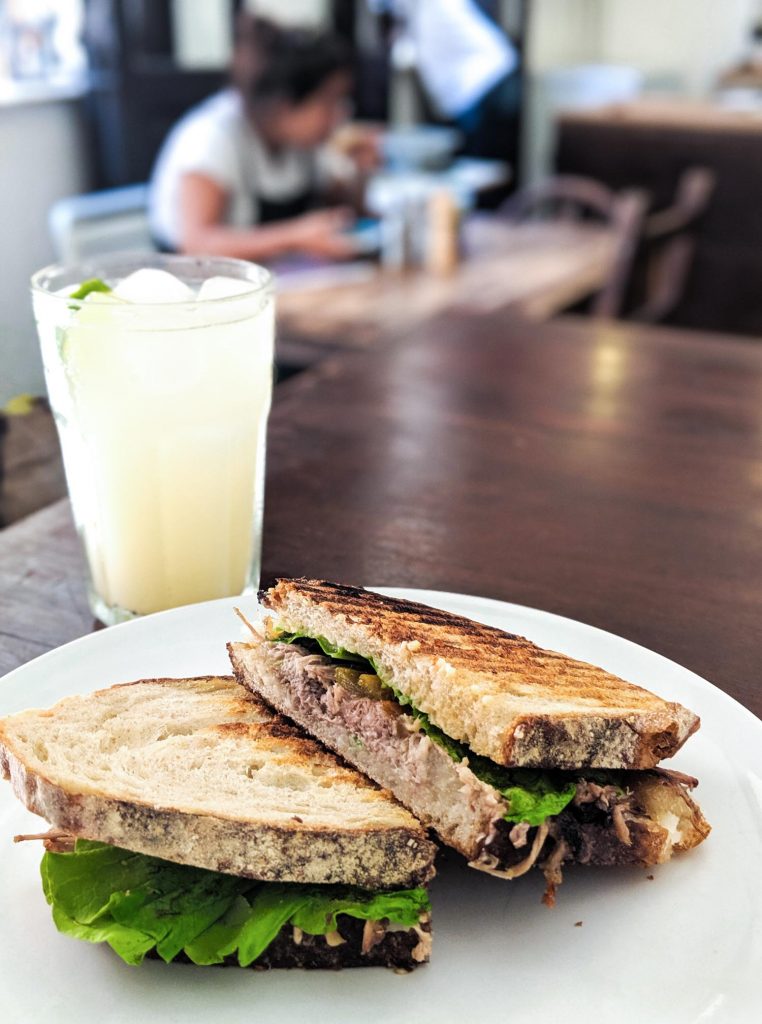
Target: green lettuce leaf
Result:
[130, 944]
[136, 904]
[316, 916]
[329, 649]
[247, 930]
[532, 796]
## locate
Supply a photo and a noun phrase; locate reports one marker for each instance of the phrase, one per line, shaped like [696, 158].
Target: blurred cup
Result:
[159, 371]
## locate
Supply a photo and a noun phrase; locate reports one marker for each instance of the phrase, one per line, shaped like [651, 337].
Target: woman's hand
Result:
[360, 143]
[202, 205]
[322, 233]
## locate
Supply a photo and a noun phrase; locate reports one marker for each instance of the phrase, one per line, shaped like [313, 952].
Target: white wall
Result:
[690, 39]
[681, 43]
[562, 33]
[312, 13]
[41, 159]
[694, 40]
[202, 33]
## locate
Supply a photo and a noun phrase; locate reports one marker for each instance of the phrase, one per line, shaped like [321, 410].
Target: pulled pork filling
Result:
[390, 745]
[349, 710]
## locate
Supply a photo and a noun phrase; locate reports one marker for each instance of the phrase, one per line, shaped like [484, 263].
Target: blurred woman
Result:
[241, 174]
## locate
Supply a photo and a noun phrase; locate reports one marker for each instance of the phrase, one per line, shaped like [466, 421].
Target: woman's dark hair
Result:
[270, 62]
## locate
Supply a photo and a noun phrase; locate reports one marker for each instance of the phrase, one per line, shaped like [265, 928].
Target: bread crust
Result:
[386, 849]
[505, 697]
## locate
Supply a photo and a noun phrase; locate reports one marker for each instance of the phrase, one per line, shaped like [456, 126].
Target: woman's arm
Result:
[202, 206]
[346, 162]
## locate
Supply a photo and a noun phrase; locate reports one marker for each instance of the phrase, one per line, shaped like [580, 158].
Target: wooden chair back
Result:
[572, 198]
[669, 244]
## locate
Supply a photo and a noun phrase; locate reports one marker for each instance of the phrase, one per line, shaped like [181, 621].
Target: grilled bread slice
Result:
[500, 694]
[198, 772]
[610, 818]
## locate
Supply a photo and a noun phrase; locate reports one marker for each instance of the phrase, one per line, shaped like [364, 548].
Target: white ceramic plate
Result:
[683, 947]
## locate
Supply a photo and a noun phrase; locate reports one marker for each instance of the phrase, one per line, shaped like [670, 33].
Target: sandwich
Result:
[188, 822]
[515, 756]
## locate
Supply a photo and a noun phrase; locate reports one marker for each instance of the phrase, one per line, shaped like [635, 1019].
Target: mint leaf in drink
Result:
[93, 284]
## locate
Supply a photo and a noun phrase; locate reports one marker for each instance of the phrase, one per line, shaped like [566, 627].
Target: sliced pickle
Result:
[364, 684]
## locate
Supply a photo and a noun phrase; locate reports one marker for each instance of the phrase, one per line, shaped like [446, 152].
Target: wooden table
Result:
[611, 474]
[535, 269]
[31, 471]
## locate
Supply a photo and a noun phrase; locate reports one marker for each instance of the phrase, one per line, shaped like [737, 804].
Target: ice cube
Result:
[150, 285]
[99, 298]
[224, 288]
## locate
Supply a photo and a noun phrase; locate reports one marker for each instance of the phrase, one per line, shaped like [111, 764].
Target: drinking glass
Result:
[161, 400]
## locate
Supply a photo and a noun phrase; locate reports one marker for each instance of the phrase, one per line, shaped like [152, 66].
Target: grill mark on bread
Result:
[495, 691]
[364, 606]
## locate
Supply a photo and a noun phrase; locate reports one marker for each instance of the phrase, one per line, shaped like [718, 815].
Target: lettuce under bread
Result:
[142, 905]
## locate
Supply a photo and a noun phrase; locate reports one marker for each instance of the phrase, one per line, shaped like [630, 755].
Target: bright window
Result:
[41, 41]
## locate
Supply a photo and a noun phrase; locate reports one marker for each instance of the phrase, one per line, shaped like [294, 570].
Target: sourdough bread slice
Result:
[199, 772]
[503, 696]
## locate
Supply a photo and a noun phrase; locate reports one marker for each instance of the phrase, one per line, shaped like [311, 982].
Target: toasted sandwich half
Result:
[516, 756]
[189, 822]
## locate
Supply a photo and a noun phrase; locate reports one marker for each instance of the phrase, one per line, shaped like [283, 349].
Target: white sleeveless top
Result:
[216, 139]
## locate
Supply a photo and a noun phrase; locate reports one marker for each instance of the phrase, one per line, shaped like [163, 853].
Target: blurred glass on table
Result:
[159, 371]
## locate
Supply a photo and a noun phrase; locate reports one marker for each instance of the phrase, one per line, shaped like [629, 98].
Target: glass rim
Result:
[261, 287]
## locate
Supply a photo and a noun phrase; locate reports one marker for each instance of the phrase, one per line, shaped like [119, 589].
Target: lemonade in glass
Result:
[159, 371]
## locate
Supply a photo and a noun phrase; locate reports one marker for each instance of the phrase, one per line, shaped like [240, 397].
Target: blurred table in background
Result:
[31, 471]
[680, 113]
[649, 144]
[535, 269]
[612, 474]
